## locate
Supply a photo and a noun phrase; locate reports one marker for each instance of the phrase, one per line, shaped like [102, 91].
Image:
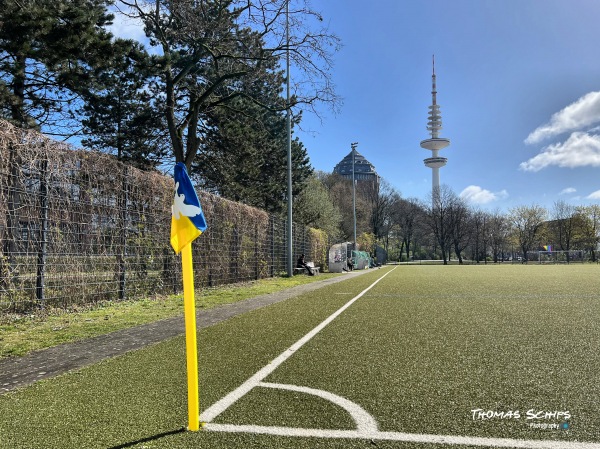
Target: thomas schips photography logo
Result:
[534, 418]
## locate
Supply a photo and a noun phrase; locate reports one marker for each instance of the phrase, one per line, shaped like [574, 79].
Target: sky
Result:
[518, 82]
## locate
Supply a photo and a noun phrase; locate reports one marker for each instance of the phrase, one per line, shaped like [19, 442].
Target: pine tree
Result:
[47, 48]
[243, 156]
[119, 115]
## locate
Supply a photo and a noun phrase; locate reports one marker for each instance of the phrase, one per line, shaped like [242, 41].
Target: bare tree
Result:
[528, 226]
[460, 222]
[439, 219]
[498, 232]
[340, 190]
[564, 224]
[408, 214]
[381, 197]
[478, 240]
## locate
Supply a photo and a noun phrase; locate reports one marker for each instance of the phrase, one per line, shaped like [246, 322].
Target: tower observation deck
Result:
[435, 143]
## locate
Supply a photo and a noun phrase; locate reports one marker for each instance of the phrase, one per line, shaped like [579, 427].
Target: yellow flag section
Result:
[187, 223]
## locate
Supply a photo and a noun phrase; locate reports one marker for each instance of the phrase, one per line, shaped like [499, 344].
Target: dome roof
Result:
[361, 165]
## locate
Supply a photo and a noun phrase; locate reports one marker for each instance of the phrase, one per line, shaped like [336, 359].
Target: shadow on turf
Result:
[148, 439]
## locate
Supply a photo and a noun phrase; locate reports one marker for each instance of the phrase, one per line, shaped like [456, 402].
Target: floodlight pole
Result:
[353, 146]
[290, 267]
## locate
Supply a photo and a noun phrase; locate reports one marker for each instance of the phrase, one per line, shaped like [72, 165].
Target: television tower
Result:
[436, 143]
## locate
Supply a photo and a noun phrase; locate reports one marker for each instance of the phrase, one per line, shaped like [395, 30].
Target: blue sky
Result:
[518, 83]
[505, 68]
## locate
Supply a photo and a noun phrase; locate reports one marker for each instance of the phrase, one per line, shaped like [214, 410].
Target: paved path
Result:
[18, 372]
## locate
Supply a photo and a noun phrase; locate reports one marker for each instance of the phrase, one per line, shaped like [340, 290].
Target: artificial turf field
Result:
[403, 366]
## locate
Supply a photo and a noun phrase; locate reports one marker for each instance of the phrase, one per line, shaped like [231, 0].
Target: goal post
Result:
[572, 256]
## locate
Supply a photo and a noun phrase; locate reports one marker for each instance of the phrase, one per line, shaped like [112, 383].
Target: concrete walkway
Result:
[16, 372]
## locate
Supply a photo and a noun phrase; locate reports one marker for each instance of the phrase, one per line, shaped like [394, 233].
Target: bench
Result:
[315, 270]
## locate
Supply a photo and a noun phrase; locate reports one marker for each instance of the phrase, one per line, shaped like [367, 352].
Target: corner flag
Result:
[187, 220]
[187, 223]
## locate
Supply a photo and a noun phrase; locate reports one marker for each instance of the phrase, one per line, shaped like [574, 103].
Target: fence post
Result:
[235, 252]
[43, 242]
[122, 251]
[306, 244]
[272, 245]
[209, 265]
[257, 258]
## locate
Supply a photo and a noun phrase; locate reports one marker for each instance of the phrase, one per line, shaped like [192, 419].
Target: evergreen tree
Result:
[47, 48]
[119, 115]
[243, 156]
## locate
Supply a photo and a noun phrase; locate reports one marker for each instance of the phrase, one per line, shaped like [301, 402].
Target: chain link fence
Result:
[79, 227]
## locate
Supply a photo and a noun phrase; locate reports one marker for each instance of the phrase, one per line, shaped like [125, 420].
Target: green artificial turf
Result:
[419, 351]
[420, 357]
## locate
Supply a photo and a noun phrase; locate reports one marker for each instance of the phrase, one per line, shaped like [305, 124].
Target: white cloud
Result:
[578, 115]
[594, 195]
[127, 28]
[568, 190]
[580, 150]
[477, 195]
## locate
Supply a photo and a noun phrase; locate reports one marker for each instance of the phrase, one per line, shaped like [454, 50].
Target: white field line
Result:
[365, 423]
[399, 436]
[224, 403]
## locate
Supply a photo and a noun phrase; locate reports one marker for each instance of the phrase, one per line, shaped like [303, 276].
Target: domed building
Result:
[364, 171]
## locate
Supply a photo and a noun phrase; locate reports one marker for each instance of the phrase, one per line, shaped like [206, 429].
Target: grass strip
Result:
[21, 334]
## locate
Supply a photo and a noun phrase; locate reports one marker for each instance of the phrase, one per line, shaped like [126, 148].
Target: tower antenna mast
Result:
[435, 143]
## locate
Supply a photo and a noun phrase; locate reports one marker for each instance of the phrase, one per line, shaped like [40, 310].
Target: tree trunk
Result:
[16, 108]
[458, 254]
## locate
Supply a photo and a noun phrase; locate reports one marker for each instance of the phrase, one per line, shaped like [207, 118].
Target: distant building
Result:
[364, 171]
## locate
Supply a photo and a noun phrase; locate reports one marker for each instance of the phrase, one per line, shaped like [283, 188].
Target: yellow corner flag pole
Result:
[187, 223]
[190, 338]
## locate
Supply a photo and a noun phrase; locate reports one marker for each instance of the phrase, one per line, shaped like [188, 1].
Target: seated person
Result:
[302, 264]
[350, 264]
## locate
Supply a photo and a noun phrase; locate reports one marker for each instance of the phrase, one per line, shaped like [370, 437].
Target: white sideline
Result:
[224, 403]
[400, 436]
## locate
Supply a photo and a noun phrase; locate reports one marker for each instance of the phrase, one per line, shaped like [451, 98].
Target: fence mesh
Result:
[78, 227]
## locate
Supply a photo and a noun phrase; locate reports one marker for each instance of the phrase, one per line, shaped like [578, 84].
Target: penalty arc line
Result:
[224, 403]
[365, 423]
